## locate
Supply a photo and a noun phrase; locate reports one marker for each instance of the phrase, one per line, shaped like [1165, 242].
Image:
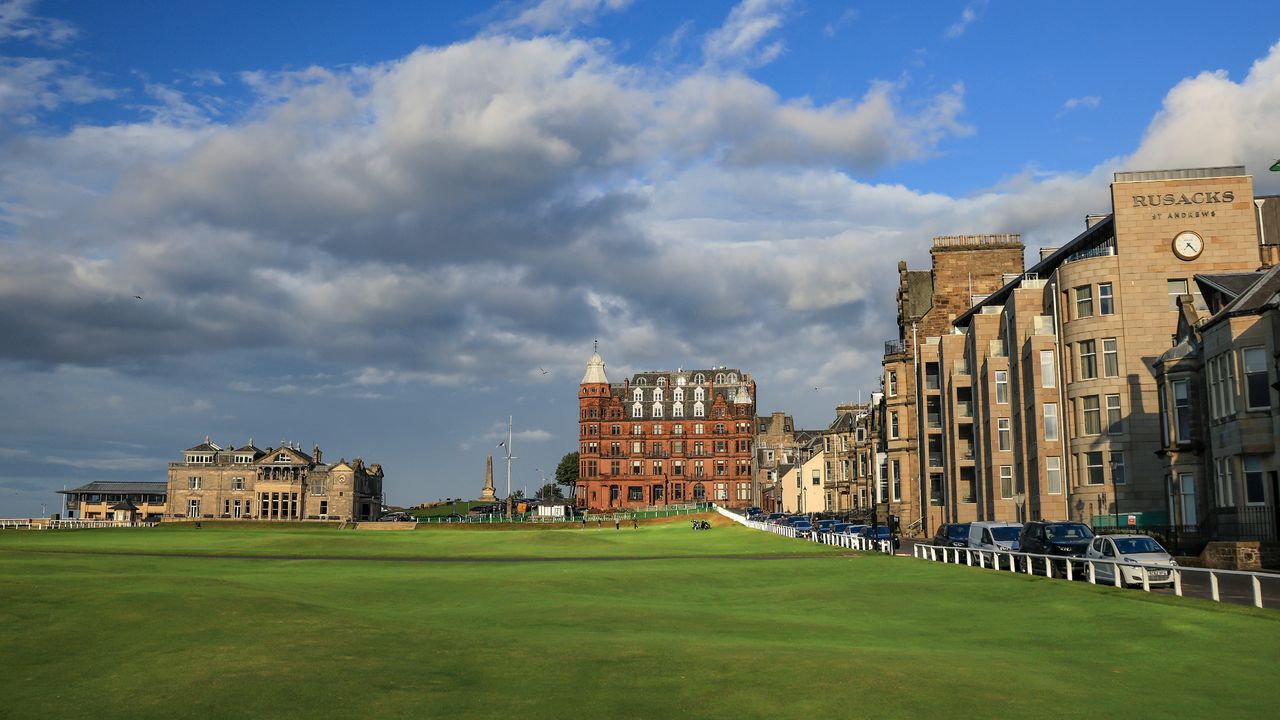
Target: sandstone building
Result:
[665, 437]
[116, 501]
[284, 483]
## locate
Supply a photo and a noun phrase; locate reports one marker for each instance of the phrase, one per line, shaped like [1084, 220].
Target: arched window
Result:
[637, 410]
[699, 491]
[677, 394]
[699, 394]
[680, 381]
[657, 410]
[637, 395]
[731, 378]
[699, 379]
[719, 378]
[662, 382]
[657, 394]
[698, 410]
[677, 410]
[641, 381]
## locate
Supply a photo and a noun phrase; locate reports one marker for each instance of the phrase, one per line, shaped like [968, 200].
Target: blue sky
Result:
[368, 225]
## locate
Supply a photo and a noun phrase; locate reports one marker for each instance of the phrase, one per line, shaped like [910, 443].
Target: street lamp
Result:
[1020, 498]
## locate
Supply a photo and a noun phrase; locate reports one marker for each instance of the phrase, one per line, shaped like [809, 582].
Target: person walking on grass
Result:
[635, 524]
[617, 524]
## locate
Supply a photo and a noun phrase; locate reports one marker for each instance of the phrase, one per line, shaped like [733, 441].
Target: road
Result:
[1237, 589]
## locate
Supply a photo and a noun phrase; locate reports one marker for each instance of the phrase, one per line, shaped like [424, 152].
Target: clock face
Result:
[1188, 245]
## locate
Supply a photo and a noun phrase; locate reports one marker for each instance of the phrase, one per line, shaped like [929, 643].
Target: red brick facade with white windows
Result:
[665, 438]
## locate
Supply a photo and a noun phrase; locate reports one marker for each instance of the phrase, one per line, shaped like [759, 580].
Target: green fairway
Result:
[708, 633]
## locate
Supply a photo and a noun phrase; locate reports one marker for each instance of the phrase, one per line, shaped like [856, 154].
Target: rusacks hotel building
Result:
[1098, 383]
[665, 437]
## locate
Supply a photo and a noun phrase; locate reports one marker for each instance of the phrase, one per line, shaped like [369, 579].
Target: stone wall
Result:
[1241, 555]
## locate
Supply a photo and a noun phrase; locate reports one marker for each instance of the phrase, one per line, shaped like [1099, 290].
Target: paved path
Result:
[1236, 589]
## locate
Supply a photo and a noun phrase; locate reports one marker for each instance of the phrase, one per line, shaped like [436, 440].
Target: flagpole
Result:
[509, 418]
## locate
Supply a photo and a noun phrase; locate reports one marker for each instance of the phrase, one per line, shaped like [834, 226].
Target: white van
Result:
[991, 535]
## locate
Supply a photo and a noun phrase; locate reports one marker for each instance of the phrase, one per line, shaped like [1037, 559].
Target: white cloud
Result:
[843, 19]
[1086, 101]
[739, 40]
[32, 85]
[18, 22]
[967, 16]
[114, 462]
[557, 15]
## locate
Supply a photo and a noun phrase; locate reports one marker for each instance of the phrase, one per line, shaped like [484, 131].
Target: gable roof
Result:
[1262, 293]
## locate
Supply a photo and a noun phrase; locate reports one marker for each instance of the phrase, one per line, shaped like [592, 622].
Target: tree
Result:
[550, 491]
[567, 471]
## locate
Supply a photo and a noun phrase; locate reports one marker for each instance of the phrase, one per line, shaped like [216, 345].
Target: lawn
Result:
[707, 633]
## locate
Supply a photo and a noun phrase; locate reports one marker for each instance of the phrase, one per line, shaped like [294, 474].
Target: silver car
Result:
[1129, 552]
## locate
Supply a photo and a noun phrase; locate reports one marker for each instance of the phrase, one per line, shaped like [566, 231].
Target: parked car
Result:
[1051, 537]
[803, 527]
[1130, 551]
[398, 517]
[841, 527]
[952, 535]
[855, 529]
[826, 525]
[987, 537]
[793, 519]
[879, 532]
[775, 518]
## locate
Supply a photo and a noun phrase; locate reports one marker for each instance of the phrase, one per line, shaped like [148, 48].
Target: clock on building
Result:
[1188, 245]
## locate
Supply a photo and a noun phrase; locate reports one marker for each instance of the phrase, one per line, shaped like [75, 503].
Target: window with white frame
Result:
[1051, 421]
[657, 394]
[637, 395]
[1256, 390]
[1084, 301]
[1106, 304]
[891, 383]
[677, 410]
[1182, 410]
[637, 410]
[1048, 371]
[896, 467]
[1004, 434]
[1088, 366]
[699, 429]
[731, 378]
[1110, 358]
[1254, 491]
[237, 483]
[193, 508]
[699, 394]
[893, 426]
[1002, 386]
[657, 410]
[699, 379]
[1175, 289]
[1053, 475]
[1115, 421]
[1225, 481]
[699, 410]
[678, 394]
[193, 482]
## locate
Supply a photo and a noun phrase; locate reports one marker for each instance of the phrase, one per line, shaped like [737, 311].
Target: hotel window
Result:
[324, 508]
[1110, 358]
[193, 483]
[698, 394]
[1004, 434]
[677, 429]
[236, 509]
[657, 395]
[1053, 473]
[1182, 410]
[615, 429]
[635, 493]
[677, 467]
[722, 491]
[697, 428]
[1164, 416]
[1256, 389]
[657, 429]
[1254, 492]
[657, 410]
[699, 379]
[1006, 482]
[637, 467]
[1088, 360]
[615, 467]
[637, 410]
[1084, 301]
[1115, 423]
[1175, 289]
[1002, 386]
[657, 467]
[719, 379]
[637, 447]
[637, 429]
[1051, 421]
[699, 410]
[1117, 468]
[891, 384]
[662, 382]
[1225, 480]
[193, 508]
[678, 394]
[896, 466]
[1093, 468]
[1105, 303]
[1048, 373]
[699, 468]
[721, 468]
[237, 483]
[744, 491]
[637, 395]
[893, 426]
[1091, 414]
[862, 435]
[226, 507]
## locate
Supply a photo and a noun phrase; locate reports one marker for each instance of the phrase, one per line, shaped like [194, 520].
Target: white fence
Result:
[844, 540]
[43, 524]
[1053, 565]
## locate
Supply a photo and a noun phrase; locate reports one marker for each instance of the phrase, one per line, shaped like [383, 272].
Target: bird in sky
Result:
[817, 388]
[544, 372]
[137, 297]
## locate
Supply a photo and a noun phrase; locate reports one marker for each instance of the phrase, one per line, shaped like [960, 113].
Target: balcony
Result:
[895, 347]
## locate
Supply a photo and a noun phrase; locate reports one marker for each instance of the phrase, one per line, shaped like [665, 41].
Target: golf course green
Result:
[655, 622]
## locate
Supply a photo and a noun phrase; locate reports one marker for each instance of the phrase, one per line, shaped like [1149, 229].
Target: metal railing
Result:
[1026, 562]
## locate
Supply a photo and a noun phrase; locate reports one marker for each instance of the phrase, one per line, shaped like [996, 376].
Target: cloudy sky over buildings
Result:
[372, 227]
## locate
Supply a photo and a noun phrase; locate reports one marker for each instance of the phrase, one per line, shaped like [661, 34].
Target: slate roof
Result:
[125, 488]
[1264, 291]
[1229, 283]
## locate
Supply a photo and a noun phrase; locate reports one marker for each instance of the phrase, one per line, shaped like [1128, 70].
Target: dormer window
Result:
[699, 379]
[657, 394]
[681, 380]
[731, 378]
[662, 382]
[638, 395]
[199, 459]
[699, 410]
[641, 381]
[657, 410]
[243, 459]
[699, 395]
[678, 394]
[637, 410]
[719, 378]
[677, 410]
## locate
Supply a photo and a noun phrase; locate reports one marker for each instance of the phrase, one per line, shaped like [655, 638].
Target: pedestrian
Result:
[584, 522]
[617, 524]
[634, 524]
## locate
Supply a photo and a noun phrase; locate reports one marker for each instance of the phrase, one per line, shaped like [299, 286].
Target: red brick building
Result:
[665, 437]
